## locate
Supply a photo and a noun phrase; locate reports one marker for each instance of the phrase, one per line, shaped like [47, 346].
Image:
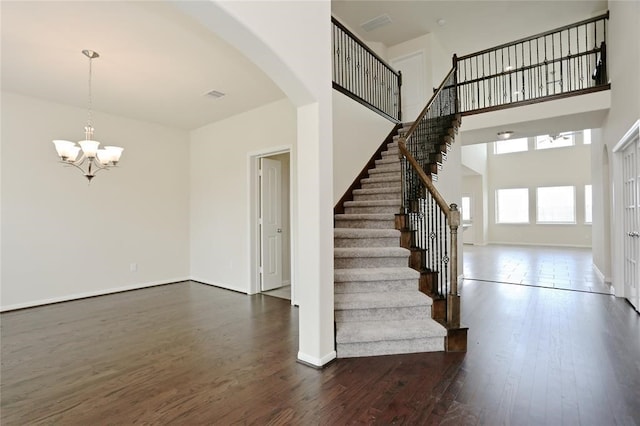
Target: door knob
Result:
[279, 231]
[634, 234]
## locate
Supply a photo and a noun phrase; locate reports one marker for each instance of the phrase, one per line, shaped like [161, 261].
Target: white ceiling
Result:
[469, 26]
[155, 64]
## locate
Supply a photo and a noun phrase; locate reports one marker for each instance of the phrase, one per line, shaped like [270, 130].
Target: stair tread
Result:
[373, 300]
[386, 168]
[373, 203]
[381, 179]
[386, 190]
[369, 252]
[391, 160]
[365, 233]
[375, 274]
[366, 216]
[375, 331]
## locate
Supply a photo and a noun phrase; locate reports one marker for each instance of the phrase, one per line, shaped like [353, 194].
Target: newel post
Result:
[453, 298]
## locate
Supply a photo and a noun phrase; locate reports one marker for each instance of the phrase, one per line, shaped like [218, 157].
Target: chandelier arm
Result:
[90, 170]
[100, 167]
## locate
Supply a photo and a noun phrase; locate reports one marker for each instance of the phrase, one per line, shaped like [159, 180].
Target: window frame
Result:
[588, 222]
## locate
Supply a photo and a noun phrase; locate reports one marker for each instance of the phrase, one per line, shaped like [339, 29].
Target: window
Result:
[586, 136]
[554, 141]
[556, 204]
[511, 145]
[466, 209]
[588, 207]
[512, 205]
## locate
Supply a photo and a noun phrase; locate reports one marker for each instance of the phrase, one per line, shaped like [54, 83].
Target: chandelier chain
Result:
[89, 103]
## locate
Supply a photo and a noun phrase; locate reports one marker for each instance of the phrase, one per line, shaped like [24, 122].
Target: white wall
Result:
[623, 51]
[601, 193]
[562, 115]
[475, 158]
[63, 238]
[537, 168]
[472, 188]
[219, 186]
[357, 134]
[293, 47]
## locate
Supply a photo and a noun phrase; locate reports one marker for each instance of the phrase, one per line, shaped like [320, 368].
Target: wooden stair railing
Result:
[361, 74]
[429, 223]
[566, 61]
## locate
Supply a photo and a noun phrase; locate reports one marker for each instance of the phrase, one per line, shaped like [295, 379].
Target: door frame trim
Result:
[617, 255]
[253, 165]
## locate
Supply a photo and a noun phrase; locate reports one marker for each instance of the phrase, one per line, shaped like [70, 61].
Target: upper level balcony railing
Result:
[567, 61]
[361, 74]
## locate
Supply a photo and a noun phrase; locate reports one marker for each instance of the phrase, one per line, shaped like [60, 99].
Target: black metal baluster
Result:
[561, 64]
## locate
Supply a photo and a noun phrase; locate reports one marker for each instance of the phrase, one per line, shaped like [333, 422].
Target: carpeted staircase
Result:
[379, 309]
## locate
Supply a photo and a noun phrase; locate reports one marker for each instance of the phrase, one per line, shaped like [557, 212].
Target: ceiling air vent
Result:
[376, 22]
[214, 94]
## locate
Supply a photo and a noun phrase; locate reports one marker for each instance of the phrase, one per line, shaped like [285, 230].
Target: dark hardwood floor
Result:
[190, 354]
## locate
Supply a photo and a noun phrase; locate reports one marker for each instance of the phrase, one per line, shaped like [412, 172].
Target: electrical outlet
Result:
[133, 267]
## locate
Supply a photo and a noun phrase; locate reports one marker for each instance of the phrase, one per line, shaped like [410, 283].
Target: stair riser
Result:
[372, 209]
[382, 314]
[375, 286]
[369, 262]
[370, 224]
[351, 350]
[384, 184]
[365, 242]
[391, 153]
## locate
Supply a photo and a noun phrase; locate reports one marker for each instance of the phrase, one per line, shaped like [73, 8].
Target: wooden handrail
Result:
[426, 180]
[533, 37]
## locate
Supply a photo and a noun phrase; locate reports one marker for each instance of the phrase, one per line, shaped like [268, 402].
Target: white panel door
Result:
[414, 78]
[631, 200]
[271, 219]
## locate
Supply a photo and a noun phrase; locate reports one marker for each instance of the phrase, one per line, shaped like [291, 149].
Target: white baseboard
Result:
[220, 285]
[601, 277]
[286, 283]
[318, 362]
[77, 296]
[500, 243]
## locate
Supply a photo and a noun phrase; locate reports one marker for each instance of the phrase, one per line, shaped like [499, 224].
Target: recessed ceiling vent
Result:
[377, 22]
[214, 94]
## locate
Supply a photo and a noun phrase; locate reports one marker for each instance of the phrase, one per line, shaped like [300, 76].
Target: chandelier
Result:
[92, 159]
